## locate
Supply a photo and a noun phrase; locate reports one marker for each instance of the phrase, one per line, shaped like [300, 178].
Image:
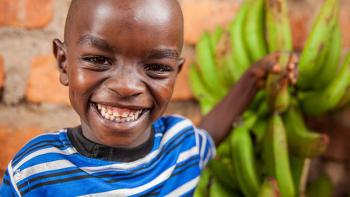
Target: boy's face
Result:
[120, 60]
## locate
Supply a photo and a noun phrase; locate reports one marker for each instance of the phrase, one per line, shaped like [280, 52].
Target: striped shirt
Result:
[49, 165]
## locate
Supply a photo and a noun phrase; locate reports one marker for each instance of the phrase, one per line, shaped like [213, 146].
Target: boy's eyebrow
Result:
[95, 42]
[163, 53]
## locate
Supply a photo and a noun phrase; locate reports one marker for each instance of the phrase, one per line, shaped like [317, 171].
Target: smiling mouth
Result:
[119, 115]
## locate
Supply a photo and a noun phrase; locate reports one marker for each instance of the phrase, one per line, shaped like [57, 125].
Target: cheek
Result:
[164, 90]
[81, 85]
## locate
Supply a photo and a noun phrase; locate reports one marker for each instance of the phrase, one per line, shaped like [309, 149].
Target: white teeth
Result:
[109, 113]
[107, 116]
[125, 114]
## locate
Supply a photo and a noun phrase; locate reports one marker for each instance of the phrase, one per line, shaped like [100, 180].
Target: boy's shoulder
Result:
[52, 142]
[172, 128]
[173, 124]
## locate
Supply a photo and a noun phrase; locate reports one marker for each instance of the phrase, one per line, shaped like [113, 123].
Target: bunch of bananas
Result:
[268, 152]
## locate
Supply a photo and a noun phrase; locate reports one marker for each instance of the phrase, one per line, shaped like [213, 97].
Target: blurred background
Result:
[32, 101]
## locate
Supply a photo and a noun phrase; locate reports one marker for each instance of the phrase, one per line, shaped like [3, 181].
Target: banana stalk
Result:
[277, 88]
[300, 169]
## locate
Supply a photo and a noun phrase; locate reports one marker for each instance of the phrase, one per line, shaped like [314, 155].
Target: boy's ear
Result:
[180, 64]
[61, 59]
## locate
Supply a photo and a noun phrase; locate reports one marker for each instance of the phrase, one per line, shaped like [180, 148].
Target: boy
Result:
[120, 60]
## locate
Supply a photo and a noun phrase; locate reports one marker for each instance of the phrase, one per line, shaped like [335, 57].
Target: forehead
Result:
[136, 22]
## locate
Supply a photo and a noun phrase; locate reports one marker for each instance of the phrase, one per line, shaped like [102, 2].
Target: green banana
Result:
[222, 171]
[202, 189]
[318, 102]
[300, 168]
[301, 141]
[224, 149]
[321, 187]
[315, 44]
[345, 100]
[329, 67]
[243, 158]
[219, 190]
[224, 61]
[240, 55]
[215, 37]
[207, 66]
[278, 33]
[275, 155]
[206, 98]
[269, 188]
[259, 130]
[258, 100]
[254, 31]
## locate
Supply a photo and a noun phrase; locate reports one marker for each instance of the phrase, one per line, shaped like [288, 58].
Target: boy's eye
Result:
[97, 60]
[158, 68]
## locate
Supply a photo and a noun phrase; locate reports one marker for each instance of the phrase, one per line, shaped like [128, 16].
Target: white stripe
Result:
[158, 135]
[187, 154]
[14, 185]
[44, 134]
[207, 158]
[67, 151]
[43, 167]
[132, 191]
[176, 129]
[202, 148]
[184, 188]
[123, 166]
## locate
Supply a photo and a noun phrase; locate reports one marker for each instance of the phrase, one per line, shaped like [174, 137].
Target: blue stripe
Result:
[73, 181]
[128, 174]
[39, 146]
[40, 138]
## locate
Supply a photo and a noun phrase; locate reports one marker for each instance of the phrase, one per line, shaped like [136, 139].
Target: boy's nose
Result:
[125, 84]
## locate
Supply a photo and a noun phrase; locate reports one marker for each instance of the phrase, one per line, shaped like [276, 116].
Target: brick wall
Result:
[32, 99]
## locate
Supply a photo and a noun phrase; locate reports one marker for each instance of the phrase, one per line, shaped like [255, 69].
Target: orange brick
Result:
[345, 23]
[38, 13]
[299, 23]
[43, 84]
[8, 12]
[2, 72]
[26, 13]
[11, 141]
[182, 90]
[205, 15]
